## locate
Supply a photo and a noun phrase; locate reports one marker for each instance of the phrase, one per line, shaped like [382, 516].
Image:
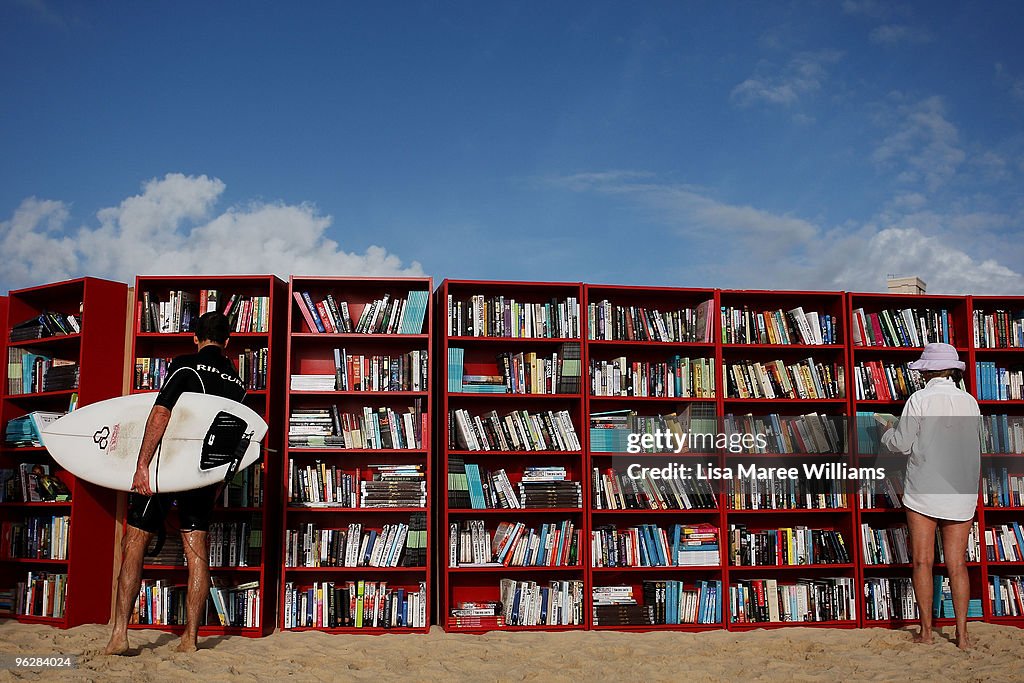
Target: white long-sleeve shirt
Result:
[940, 431]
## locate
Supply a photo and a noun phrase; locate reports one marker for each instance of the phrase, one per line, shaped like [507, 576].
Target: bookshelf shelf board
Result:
[33, 619]
[642, 570]
[307, 450]
[1014, 508]
[204, 631]
[43, 395]
[1005, 620]
[666, 345]
[531, 397]
[331, 336]
[749, 626]
[1005, 563]
[998, 351]
[351, 570]
[460, 341]
[644, 628]
[464, 512]
[787, 401]
[30, 560]
[511, 569]
[360, 394]
[791, 567]
[1017, 403]
[789, 511]
[320, 509]
[484, 629]
[23, 449]
[784, 347]
[1002, 455]
[37, 504]
[369, 631]
[517, 454]
[691, 511]
[181, 567]
[649, 399]
[48, 342]
[897, 349]
[907, 565]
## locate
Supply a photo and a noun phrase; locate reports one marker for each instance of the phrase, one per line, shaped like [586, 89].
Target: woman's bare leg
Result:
[922, 547]
[954, 547]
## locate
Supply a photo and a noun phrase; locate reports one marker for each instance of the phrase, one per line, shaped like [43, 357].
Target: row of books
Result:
[889, 598]
[740, 325]
[518, 430]
[31, 483]
[878, 381]
[608, 321]
[513, 544]
[519, 373]
[328, 486]
[616, 490]
[393, 545]
[182, 309]
[245, 490]
[46, 324]
[373, 428]
[993, 383]
[649, 545]
[500, 316]
[151, 372]
[907, 327]
[1002, 434]
[42, 594]
[677, 377]
[999, 330]
[775, 379]
[1001, 489]
[354, 604]
[386, 315]
[528, 603]
[942, 601]
[749, 493]
[693, 427]
[807, 600]
[808, 433]
[355, 372]
[788, 546]
[1006, 595]
[164, 602]
[878, 494]
[38, 538]
[1005, 543]
[30, 373]
[665, 602]
[885, 546]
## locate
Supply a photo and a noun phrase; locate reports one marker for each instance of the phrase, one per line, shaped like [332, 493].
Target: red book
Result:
[305, 311]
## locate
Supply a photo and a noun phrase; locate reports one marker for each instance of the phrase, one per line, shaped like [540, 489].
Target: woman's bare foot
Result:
[923, 637]
[118, 645]
[963, 641]
[186, 646]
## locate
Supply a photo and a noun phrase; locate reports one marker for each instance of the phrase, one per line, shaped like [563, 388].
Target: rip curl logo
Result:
[101, 438]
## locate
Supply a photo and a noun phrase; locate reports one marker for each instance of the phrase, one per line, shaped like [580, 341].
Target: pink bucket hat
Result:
[938, 356]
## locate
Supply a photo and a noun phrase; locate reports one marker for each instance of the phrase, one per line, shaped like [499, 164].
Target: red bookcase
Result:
[336, 477]
[501, 310]
[637, 340]
[890, 352]
[809, 412]
[249, 508]
[994, 347]
[85, 567]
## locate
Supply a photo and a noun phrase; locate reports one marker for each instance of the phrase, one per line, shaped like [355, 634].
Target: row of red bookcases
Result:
[462, 456]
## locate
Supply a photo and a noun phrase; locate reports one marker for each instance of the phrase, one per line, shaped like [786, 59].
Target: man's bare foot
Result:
[923, 638]
[186, 646]
[118, 645]
[963, 641]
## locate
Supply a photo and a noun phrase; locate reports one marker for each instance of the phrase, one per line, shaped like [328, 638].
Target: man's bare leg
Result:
[198, 554]
[922, 547]
[133, 550]
[954, 547]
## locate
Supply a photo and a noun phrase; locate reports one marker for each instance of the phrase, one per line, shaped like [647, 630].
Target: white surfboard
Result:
[100, 442]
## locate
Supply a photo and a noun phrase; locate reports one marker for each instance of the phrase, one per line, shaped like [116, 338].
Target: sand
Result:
[788, 654]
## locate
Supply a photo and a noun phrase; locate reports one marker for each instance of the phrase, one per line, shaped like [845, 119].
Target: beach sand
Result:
[787, 654]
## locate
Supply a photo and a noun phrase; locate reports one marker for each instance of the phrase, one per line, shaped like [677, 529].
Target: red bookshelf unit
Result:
[887, 332]
[56, 548]
[358, 460]
[651, 359]
[995, 370]
[511, 481]
[785, 375]
[246, 526]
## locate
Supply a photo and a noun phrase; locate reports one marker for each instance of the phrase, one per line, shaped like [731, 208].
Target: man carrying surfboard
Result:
[207, 371]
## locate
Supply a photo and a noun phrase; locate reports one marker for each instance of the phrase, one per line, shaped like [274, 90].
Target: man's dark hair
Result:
[213, 326]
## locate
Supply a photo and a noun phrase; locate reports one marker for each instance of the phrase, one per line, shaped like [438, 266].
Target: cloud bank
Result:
[173, 227]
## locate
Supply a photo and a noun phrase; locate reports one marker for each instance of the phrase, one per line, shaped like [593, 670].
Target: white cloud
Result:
[896, 34]
[743, 246]
[923, 147]
[804, 74]
[172, 228]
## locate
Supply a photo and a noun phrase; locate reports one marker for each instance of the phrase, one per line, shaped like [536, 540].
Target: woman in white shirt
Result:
[940, 432]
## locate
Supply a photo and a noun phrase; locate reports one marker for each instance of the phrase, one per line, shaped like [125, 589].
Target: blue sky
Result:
[738, 144]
